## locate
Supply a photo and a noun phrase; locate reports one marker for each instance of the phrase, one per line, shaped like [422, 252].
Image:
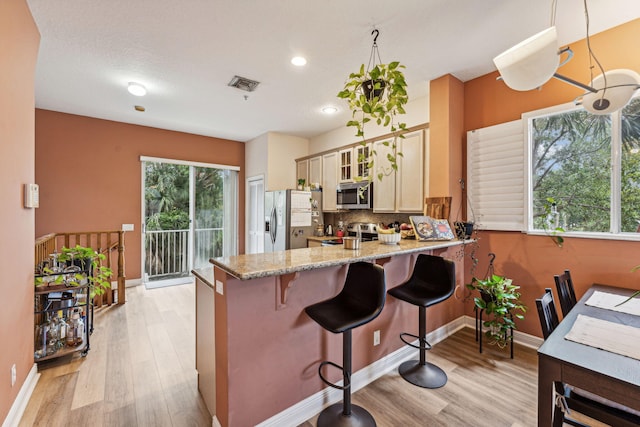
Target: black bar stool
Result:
[360, 301]
[433, 280]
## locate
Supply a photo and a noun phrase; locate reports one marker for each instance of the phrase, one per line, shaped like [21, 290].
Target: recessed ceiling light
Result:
[136, 89]
[329, 110]
[299, 61]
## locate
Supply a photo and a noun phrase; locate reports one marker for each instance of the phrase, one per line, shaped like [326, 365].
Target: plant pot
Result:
[464, 230]
[486, 296]
[370, 92]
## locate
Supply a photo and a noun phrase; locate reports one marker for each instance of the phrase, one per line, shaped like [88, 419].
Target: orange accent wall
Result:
[18, 54]
[533, 260]
[89, 173]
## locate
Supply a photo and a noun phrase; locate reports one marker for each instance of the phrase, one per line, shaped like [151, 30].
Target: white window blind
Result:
[496, 174]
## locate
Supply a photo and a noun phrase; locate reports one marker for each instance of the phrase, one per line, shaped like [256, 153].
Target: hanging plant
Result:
[377, 94]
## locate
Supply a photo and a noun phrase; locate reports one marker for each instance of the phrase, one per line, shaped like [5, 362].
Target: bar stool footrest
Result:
[426, 343]
[330, 384]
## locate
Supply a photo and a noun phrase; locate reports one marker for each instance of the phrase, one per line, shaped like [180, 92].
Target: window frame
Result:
[614, 232]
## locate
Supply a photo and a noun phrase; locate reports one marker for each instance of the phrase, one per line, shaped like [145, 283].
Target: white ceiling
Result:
[186, 51]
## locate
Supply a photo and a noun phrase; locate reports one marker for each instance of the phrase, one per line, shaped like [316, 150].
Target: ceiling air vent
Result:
[243, 83]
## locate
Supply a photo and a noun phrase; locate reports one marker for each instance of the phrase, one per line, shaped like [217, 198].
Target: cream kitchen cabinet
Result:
[315, 170]
[354, 163]
[345, 165]
[302, 171]
[310, 170]
[329, 181]
[402, 191]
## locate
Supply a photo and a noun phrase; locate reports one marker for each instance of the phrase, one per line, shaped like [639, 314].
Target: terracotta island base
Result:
[257, 352]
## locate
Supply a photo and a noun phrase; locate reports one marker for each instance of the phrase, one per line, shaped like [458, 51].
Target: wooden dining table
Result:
[601, 372]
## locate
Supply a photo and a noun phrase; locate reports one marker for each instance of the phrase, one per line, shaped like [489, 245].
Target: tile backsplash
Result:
[365, 216]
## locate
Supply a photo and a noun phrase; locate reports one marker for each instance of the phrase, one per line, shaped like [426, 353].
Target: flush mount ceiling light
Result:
[136, 89]
[532, 62]
[299, 61]
[329, 110]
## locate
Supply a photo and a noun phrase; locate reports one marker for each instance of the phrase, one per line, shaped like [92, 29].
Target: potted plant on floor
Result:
[377, 94]
[500, 299]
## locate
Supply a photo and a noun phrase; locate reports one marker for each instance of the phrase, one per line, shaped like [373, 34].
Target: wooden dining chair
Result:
[566, 294]
[437, 207]
[547, 312]
[575, 399]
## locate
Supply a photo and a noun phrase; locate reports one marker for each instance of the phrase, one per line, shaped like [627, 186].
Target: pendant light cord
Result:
[592, 56]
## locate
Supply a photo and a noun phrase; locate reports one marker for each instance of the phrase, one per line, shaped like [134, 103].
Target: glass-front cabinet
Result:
[346, 165]
[354, 163]
[362, 154]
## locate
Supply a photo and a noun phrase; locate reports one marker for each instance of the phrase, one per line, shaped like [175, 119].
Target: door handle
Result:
[274, 226]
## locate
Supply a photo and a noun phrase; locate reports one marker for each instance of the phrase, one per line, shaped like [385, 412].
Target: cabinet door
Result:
[361, 158]
[384, 191]
[329, 181]
[410, 176]
[302, 171]
[315, 170]
[346, 165]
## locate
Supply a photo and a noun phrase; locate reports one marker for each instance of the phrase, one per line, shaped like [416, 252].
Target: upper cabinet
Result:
[402, 191]
[345, 165]
[354, 163]
[302, 171]
[410, 176]
[315, 170]
[329, 181]
[361, 155]
[310, 170]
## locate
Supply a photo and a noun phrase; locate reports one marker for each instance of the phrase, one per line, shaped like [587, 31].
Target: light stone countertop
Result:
[323, 238]
[252, 266]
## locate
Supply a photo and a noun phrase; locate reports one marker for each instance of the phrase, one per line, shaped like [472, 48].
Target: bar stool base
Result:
[426, 376]
[332, 417]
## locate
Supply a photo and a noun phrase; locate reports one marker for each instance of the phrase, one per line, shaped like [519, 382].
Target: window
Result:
[585, 170]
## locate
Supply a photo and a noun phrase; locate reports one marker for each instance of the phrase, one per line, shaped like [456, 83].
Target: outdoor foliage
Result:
[167, 208]
[572, 164]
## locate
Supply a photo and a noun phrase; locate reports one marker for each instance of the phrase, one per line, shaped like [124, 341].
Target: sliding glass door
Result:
[190, 216]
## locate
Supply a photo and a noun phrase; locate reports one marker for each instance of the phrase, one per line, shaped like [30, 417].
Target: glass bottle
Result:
[75, 330]
[62, 330]
[52, 337]
[40, 341]
[70, 339]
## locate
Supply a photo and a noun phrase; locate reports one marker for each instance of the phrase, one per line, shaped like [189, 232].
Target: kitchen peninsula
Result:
[257, 352]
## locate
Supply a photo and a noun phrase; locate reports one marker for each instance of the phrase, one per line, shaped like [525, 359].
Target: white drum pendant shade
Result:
[530, 63]
[614, 98]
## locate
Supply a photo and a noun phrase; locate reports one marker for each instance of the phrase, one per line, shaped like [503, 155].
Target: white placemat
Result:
[605, 335]
[609, 301]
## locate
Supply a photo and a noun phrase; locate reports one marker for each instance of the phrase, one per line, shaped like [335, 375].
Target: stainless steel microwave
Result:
[355, 195]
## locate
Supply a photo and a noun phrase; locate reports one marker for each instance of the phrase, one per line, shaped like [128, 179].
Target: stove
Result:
[368, 231]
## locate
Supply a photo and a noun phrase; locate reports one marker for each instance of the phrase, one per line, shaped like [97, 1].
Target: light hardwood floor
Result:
[140, 372]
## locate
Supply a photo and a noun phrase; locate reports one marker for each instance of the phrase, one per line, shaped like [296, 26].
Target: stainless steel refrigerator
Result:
[290, 217]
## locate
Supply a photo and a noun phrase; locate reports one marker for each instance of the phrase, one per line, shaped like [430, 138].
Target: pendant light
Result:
[532, 62]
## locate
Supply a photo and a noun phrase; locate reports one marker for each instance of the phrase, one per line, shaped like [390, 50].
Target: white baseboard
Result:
[307, 408]
[132, 282]
[22, 399]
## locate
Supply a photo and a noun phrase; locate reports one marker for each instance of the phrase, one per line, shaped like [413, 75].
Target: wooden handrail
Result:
[102, 242]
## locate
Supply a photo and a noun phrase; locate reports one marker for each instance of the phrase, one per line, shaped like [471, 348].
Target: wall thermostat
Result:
[31, 196]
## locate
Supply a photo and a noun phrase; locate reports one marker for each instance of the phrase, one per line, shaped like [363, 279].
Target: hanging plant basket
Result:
[377, 95]
[373, 88]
